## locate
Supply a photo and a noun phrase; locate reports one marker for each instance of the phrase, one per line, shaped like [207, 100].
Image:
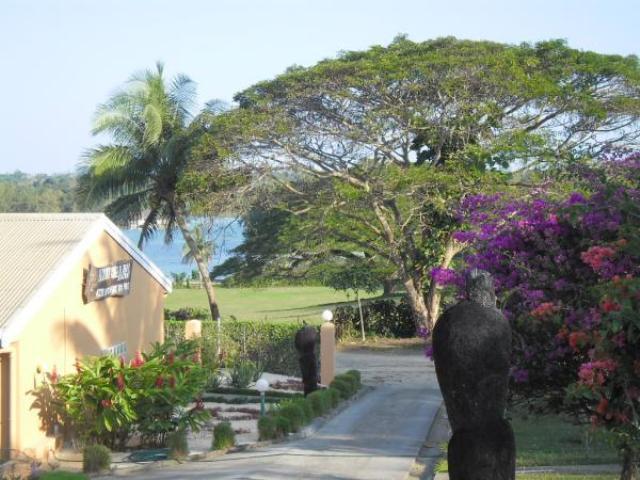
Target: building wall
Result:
[66, 329]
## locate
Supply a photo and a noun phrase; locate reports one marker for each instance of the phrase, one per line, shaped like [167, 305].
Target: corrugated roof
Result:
[34, 245]
[31, 245]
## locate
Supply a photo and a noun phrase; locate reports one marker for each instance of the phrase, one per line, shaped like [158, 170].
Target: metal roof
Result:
[37, 249]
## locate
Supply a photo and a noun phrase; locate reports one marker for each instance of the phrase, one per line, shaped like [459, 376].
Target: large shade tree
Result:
[400, 134]
[139, 175]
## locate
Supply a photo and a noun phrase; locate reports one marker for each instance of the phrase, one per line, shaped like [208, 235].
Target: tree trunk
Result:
[203, 268]
[361, 316]
[416, 301]
[452, 248]
[387, 285]
[630, 460]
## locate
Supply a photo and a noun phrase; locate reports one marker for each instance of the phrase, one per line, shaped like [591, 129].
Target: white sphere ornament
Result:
[327, 315]
[262, 385]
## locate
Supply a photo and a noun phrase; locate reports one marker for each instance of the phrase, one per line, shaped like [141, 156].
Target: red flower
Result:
[563, 333]
[138, 361]
[159, 381]
[172, 382]
[106, 403]
[577, 340]
[171, 358]
[601, 409]
[121, 361]
[120, 382]
[53, 376]
[544, 309]
[596, 256]
[610, 306]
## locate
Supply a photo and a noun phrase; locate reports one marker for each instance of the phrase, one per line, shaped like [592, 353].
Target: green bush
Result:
[223, 436]
[385, 318]
[267, 428]
[187, 313]
[307, 409]
[95, 458]
[108, 400]
[343, 386]
[355, 374]
[319, 401]
[178, 445]
[242, 372]
[62, 475]
[292, 411]
[283, 425]
[334, 397]
[347, 383]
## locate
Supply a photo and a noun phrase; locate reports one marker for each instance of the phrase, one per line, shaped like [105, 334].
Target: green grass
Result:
[553, 440]
[272, 303]
[565, 476]
[63, 476]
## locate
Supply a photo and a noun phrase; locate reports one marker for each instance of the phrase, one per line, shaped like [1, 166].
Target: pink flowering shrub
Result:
[567, 274]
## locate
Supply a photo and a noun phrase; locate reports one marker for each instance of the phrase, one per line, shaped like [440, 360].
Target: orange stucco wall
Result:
[66, 329]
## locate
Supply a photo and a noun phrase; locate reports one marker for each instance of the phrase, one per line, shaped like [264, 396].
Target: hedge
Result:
[385, 318]
[291, 415]
[268, 344]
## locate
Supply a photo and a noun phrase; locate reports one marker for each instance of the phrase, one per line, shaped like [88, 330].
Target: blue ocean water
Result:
[226, 234]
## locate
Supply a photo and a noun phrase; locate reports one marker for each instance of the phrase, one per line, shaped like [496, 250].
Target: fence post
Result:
[192, 329]
[327, 349]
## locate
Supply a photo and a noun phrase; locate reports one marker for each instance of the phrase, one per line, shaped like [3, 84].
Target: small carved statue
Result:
[305, 342]
[472, 355]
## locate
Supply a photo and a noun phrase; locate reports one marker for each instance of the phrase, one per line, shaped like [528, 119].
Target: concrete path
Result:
[376, 437]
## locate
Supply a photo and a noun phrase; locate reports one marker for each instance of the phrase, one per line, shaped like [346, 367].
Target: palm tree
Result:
[138, 174]
[203, 245]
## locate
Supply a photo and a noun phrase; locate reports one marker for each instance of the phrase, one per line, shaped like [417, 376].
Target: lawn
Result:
[273, 303]
[565, 476]
[548, 440]
[63, 476]
[553, 440]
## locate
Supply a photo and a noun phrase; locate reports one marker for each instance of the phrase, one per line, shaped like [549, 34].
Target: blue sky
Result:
[59, 59]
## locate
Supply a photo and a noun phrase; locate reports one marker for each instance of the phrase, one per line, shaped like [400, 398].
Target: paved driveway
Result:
[376, 437]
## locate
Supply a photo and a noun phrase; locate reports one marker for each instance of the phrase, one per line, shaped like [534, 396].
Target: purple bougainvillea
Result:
[566, 273]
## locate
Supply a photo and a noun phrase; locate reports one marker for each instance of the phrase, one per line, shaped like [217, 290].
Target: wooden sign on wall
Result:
[109, 281]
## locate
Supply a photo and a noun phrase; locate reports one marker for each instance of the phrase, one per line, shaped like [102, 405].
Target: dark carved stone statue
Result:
[305, 342]
[472, 355]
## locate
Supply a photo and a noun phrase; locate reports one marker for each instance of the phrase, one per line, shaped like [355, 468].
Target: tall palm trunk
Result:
[203, 268]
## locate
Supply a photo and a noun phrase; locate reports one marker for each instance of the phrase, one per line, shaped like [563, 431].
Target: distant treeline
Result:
[22, 192]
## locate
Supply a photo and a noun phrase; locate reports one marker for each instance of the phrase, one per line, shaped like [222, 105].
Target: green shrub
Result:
[187, 313]
[355, 374]
[385, 318]
[267, 428]
[307, 409]
[283, 424]
[108, 399]
[319, 401]
[178, 445]
[223, 436]
[334, 396]
[294, 412]
[347, 383]
[95, 458]
[344, 386]
[242, 372]
[61, 475]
